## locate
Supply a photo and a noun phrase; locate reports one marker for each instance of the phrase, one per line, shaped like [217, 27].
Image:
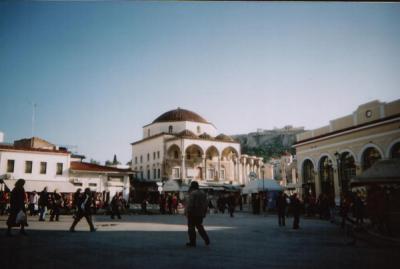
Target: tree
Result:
[115, 161]
[94, 161]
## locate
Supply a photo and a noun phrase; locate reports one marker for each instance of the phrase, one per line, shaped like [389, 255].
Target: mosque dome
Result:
[180, 114]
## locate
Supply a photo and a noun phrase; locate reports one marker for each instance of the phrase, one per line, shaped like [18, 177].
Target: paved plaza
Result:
[158, 241]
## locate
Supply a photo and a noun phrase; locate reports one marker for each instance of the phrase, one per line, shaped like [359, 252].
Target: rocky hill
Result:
[269, 143]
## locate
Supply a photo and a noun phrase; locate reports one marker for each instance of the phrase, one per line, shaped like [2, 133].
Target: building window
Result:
[92, 184]
[198, 129]
[148, 132]
[211, 173]
[77, 184]
[158, 155]
[28, 167]
[141, 174]
[154, 155]
[141, 158]
[170, 129]
[135, 160]
[43, 167]
[175, 173]
[148, 174]
[176, 154]
[154, 173]
[148, 156]
[158, 173]
[59, 168]
[10, 166]
[222, 174]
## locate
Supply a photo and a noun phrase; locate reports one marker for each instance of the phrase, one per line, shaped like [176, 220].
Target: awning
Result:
[39, 185]
[259, 185]
[381, 172]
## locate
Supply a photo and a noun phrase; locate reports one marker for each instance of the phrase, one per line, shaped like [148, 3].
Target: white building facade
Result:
[180, 144]
[42, 164]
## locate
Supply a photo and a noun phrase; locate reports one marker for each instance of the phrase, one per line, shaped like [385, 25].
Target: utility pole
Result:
[33, 117]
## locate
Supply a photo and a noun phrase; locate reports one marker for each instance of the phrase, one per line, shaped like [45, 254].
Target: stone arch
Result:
[326, 171]
[308, 176]
[390, 148]
[193, 151]
[356, 160]
[321, 157]
[212, 152]
[366, 150]
[229, 152]
[174, 152]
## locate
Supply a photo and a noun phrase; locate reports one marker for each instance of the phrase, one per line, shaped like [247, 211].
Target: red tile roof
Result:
[12, 147]
[82, 166]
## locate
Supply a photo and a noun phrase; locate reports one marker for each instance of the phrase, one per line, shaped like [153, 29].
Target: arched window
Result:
[170, 129]
[370, 156]
[347, 170]
[176, 154]
[308, 178]
[326, 175]
[395, 151]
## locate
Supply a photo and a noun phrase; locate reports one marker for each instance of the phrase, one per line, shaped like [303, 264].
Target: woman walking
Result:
[84, 210]
[17, 208]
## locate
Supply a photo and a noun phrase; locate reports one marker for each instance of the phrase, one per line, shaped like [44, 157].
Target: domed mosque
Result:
[180, 144]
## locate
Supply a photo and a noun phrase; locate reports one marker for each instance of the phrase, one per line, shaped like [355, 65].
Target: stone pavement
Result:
[158, 241]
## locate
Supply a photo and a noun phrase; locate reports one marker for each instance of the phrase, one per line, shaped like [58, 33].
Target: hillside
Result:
[269, 143]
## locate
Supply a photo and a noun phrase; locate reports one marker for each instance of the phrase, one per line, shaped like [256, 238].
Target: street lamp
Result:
[339, 169]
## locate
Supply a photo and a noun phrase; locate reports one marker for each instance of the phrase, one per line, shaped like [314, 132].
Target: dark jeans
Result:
[55, 212]
[79, 216]
[196, 222]
[42, 212]
[115, 211]
[296, 220]
[281, 217]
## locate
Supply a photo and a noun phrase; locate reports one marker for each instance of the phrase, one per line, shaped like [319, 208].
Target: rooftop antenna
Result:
[33, 117]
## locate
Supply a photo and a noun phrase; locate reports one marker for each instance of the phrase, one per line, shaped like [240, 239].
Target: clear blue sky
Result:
[99, 71]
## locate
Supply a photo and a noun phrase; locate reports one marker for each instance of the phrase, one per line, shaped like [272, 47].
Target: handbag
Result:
[21, 218]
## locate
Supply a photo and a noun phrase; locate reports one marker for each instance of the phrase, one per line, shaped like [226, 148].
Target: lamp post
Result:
[339, 170]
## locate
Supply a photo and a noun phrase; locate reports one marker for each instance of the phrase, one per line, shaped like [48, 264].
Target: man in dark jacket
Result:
[116, 205]
[43, 204]
[196, 210]
[84, 210]
[17, 204]
[296, 207]
[281, 206]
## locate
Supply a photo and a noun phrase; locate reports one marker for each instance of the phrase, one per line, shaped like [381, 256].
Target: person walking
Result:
[84, 203]
[116, 206]
[231, 204]
[296, 207]
[56, 205]
[17, 215]
[33, 203]
[195, 212]
[43, 203]
[281, 206]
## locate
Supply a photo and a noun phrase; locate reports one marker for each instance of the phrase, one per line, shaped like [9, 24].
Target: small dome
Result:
[187, 133]
[224, 137]
[180, 114]
[205, 136]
